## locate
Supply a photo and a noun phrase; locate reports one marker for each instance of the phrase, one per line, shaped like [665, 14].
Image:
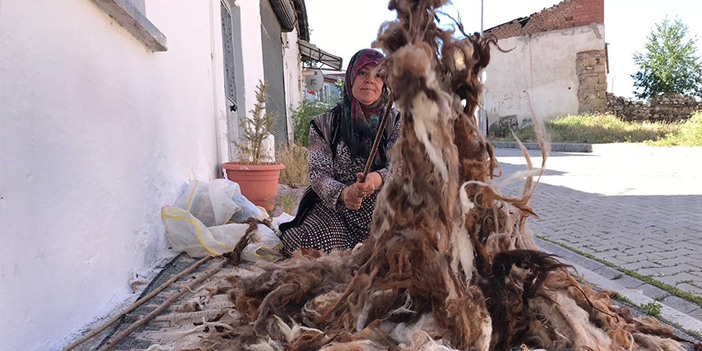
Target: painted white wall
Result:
[253, 49]
[540, 69]
[253, 64]
[219, 100]
[292, 62]
[97, 133]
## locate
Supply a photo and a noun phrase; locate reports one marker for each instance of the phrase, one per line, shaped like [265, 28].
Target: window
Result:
[131, 14]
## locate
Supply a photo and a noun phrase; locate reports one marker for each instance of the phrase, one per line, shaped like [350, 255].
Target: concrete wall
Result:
[538, 76]
[98, 133]
[251, 42]
[293, 76]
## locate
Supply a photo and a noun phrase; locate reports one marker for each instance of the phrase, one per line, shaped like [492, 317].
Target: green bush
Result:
[302, 117]
[597, 129]
[689, 134]
[294, 158]
[652, 308]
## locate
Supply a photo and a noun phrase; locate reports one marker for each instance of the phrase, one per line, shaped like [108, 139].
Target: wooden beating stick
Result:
[376, 142]
[153, 314]
[135, 305]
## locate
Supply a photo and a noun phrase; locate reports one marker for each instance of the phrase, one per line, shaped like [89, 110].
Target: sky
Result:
[342, 27]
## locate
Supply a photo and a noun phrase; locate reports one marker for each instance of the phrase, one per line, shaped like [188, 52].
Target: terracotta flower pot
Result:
[258, 182]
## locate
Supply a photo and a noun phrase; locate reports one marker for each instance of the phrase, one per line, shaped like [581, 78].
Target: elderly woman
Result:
[336, 211]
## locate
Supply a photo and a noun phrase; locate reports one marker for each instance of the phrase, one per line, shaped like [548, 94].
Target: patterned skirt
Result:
[326, 229]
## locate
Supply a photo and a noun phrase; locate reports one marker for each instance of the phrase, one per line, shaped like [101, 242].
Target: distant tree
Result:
[670, 63]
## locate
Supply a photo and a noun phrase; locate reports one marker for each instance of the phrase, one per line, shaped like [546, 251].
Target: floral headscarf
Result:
[360, 123]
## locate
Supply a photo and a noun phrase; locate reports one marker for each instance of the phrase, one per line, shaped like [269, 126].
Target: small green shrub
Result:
[597, 129]
[302, 117]
[688, 134]
[294, 158]
[652, 308]
[255, 129]
[288, 202]
[622, 298]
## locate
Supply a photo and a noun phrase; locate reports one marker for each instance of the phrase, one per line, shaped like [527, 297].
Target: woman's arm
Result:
[321, 171]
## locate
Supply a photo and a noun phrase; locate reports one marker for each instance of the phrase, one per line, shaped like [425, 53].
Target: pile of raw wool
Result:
[450, 263]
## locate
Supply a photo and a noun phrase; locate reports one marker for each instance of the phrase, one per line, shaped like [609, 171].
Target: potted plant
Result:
[258, 179]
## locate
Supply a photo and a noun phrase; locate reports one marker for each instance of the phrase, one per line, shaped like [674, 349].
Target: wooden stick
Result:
[136, 325]
[376, 142]
[135, 305]
[234, 257]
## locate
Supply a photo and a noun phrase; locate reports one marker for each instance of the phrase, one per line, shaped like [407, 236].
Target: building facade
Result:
[555, 65]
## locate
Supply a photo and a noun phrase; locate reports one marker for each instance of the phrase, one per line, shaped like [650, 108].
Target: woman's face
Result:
[367, 86]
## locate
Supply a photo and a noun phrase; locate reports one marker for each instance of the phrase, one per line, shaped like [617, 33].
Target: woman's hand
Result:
[353, 195]
[372, 183]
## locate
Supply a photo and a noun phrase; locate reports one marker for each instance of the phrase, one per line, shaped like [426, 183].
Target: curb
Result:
[636, 291]
[558, 147]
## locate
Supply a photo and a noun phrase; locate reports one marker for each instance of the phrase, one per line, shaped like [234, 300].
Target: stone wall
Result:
[667, 108]
[591, 67]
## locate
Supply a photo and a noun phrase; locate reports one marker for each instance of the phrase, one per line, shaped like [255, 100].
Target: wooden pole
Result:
[210, 272]
[376, 142]
[135, 305]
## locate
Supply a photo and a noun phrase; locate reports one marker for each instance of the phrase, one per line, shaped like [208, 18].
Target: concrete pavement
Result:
[635, 206]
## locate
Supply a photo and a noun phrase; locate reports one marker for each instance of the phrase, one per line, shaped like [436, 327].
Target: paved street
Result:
[635, 206]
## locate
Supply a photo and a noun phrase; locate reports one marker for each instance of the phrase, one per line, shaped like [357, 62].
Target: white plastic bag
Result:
[248, 210]
[264, 244]
[212, 202]
[277, 221]
[186, 233]
[218, 202]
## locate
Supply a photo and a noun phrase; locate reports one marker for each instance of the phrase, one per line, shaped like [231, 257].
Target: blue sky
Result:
[341, 27]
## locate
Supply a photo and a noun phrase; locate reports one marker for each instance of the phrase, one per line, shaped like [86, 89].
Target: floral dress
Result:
[328, 224]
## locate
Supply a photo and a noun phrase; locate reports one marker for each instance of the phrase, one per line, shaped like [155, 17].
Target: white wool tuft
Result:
[291, 333]
[425, 112]
[263, 346]
[421, 341]
[483, 341]
[574, 324]
[461, 246]
[403, 332]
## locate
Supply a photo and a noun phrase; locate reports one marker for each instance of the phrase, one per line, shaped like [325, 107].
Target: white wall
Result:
[293, 77]
[97, 133]
[253, 50]
[540, 69]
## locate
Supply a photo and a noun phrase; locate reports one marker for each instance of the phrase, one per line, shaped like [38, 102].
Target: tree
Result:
[670, 63]
[257, 128]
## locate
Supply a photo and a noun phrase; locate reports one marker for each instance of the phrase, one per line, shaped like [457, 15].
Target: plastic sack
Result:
[186, 233]
[264, 244]
[248, 210]
[212, 202]
[277, 221]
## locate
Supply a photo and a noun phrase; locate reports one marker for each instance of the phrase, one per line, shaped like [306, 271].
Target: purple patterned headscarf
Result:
[359, 122]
